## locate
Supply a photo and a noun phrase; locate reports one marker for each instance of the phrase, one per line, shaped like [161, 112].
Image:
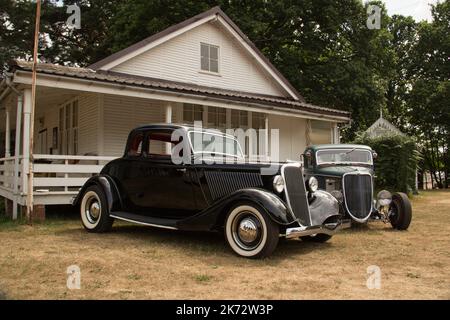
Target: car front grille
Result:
[358, 194]
[295, 193]
[222, 183]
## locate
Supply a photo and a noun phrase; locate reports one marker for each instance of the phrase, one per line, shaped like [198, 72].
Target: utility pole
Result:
[33, 106]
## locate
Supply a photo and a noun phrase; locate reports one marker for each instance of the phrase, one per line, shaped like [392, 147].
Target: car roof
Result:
[183, 126]
[318, 147]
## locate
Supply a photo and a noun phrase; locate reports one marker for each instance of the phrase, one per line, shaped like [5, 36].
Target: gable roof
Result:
[213, 14]
[267, 101]
[385, 126]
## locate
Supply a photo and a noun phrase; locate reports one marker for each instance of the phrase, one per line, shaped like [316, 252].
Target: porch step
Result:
[145, 220]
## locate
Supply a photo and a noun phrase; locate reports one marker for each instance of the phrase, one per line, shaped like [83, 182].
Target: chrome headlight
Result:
[313, 184]
[278, 184]
[384, 198]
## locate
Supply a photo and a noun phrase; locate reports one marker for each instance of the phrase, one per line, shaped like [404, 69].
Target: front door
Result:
[156, 186]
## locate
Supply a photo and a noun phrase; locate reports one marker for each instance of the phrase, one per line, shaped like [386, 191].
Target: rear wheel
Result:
[400, 213]
[321, 237]
[250, 232]
[94, 210]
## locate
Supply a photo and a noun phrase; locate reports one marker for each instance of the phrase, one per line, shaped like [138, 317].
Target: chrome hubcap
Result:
[95, 209]
[92, 208]
[248, 230]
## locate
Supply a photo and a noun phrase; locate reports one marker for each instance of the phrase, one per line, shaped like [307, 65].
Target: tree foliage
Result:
[395, 167]
[323, 47]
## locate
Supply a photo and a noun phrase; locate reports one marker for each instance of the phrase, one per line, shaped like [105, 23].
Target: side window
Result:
[135, 145]
[159, 143]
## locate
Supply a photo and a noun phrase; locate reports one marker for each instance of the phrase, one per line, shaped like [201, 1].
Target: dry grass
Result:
[134, 262]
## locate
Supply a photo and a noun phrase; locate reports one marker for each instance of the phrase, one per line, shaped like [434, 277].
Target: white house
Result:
[204, 69]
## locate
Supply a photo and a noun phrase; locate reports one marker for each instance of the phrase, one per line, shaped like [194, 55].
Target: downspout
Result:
[17, 142]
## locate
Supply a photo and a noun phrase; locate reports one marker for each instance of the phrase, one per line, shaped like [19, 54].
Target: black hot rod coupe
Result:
[347, 172]
[179, 177]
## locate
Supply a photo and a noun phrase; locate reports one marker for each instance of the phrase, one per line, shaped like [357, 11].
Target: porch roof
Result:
[173, 86]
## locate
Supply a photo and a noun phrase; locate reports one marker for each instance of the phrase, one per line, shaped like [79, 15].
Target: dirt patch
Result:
[136, 262]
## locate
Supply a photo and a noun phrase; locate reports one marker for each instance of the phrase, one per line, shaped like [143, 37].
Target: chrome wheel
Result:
[92, 207]
[247, 230]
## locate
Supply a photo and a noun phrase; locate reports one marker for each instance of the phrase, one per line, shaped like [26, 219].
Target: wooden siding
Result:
[179, 60]
[121, 114]
[88, 122]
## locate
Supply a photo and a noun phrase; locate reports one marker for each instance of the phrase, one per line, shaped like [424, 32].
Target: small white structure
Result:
[382, 127]
[203, 69]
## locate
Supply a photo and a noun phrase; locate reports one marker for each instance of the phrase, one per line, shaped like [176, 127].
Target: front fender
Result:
[323, 206]
[214, 215]
[109, 187]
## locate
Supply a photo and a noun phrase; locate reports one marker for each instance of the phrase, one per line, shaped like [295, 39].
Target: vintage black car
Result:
[184, 178]
[347, 172]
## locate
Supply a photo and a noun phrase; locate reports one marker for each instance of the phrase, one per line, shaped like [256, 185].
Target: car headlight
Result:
[313, 184]
[278, 184]
[384, 198]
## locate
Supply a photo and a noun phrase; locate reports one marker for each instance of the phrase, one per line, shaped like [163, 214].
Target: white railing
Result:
[7, 174]
[64, 173]
[56, 177]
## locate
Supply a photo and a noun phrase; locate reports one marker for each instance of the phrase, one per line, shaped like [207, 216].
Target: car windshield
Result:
[344, 156]
[215, 144]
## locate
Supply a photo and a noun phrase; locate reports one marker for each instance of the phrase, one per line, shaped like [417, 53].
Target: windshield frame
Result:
[219, 134]
[344, 163]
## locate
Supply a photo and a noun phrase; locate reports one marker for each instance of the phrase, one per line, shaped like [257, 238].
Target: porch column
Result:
[335, 133]
[168, 116]
[26, 139]
[266, 136]
[251, 150]
[7, 134]
[17, 153]
[308, 132]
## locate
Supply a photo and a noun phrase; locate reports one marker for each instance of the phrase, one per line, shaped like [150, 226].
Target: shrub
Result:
[395, 167]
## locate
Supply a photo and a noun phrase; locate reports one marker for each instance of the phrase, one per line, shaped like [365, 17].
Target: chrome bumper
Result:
[329, 229]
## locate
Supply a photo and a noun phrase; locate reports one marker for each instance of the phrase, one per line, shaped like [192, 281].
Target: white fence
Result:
[57, 178]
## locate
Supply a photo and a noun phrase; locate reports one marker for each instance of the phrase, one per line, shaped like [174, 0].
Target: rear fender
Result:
[109, 187]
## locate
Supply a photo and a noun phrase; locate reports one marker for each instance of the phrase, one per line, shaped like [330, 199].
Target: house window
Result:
[320, 132]
[217, 118]
[239, 119]
[209, 59]
[192, 112]
[68, 124]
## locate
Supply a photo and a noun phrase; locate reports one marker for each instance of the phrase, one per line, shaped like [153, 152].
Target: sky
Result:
[418, 9]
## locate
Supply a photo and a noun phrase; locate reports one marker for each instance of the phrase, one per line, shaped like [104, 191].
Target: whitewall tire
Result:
[250, 232]
[94, 211]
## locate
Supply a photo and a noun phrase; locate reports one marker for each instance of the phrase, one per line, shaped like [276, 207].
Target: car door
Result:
[165, 187]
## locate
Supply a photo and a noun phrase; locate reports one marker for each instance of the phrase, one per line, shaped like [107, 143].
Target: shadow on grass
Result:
[196, 244]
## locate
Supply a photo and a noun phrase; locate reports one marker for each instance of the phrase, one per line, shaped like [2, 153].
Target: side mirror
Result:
[374, 155]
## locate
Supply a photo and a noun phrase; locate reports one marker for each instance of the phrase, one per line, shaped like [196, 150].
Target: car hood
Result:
[339, 171]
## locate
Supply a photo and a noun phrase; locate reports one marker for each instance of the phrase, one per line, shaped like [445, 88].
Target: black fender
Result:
[323, 207]
[213, 217]
[109, 188]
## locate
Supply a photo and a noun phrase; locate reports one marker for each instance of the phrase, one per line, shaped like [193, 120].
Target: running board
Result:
[145, 220]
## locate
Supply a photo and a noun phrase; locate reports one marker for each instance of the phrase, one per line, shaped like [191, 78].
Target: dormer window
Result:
[209, 60]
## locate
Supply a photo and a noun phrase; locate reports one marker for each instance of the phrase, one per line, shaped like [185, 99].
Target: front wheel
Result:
[250, 232]
[400, 213]
[94, 210]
